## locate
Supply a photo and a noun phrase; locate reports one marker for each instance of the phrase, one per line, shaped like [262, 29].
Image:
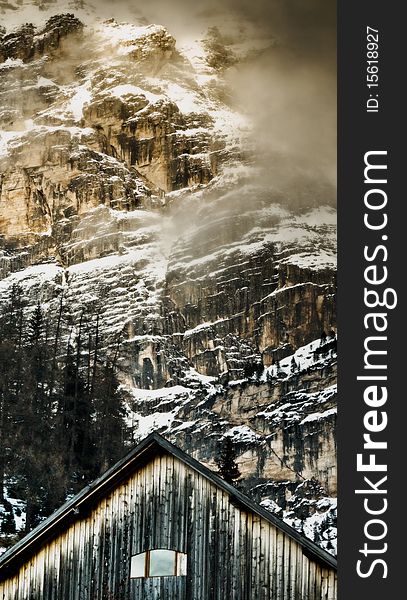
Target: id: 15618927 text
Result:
[372, 69]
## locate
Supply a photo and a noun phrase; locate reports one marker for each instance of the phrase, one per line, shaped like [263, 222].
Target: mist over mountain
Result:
[168, 246]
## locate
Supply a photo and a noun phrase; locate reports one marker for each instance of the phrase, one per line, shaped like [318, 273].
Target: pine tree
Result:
[74, 424]
[34, 454]
[11, 379]
[62, 414]
[110, 429]
[7, 522]
[36, 351]
[226, 461]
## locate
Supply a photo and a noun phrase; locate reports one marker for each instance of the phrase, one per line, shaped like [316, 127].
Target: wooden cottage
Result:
[161, 526]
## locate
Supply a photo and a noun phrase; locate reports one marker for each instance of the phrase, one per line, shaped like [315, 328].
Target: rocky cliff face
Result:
[28, 42]
[129, 185]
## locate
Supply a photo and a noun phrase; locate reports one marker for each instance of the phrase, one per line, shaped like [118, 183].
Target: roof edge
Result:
[70, 511]
[250, 504]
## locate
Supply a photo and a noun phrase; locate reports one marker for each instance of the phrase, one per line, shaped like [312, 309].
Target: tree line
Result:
[62, 414]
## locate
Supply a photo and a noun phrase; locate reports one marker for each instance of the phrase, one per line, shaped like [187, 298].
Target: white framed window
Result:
[158, 563]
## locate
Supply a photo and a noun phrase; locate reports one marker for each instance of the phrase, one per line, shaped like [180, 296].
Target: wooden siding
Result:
[233, 554]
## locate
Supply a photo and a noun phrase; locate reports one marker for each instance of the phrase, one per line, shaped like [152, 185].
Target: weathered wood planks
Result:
[233, 554]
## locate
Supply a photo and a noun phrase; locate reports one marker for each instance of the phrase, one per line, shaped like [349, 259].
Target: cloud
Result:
[288, 90]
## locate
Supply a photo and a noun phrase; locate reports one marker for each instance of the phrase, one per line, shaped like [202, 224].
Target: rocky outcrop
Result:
[28, 43]
[233, 295]
[54, 181]
[128, 189]
[19, 44]
[239, 296]
[154, 138]
[282, 424]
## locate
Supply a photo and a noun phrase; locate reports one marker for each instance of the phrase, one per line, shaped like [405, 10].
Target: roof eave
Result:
[72, 510]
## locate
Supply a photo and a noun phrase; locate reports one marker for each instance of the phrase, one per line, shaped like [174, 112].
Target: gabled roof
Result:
[80, 504]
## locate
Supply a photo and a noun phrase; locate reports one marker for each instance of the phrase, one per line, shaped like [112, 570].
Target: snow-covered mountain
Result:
[131, 187]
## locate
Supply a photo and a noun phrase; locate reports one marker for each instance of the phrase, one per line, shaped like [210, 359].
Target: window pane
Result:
[181, 564]
[138, 565]
[162, 562]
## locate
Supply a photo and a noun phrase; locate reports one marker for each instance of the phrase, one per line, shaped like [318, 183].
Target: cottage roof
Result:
[150, 447]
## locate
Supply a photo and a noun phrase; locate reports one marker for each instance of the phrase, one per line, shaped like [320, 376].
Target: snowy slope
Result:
[131, 189]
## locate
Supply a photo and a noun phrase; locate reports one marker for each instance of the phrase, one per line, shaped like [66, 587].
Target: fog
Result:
[288, 90]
